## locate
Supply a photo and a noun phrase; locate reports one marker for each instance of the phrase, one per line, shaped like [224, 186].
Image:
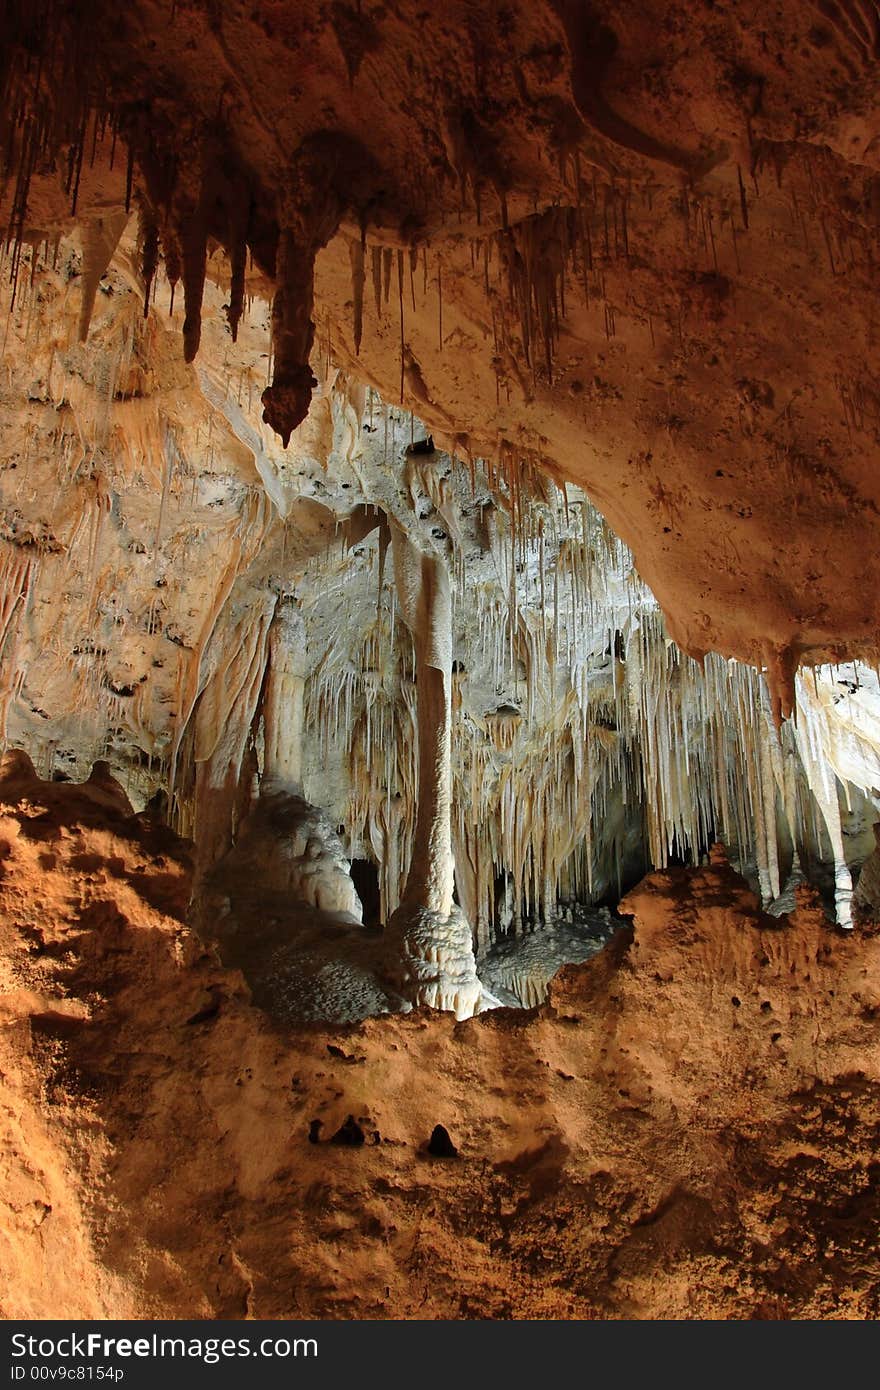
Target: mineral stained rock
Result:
[675, 1134]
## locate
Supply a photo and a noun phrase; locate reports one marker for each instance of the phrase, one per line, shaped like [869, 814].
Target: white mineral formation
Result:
[286, 672]
[519, 971]
[288, 847]
[430, 950]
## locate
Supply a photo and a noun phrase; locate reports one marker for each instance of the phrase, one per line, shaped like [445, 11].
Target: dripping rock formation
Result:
[439, 657]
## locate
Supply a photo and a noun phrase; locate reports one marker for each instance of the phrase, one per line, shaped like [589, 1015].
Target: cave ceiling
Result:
[634, 244]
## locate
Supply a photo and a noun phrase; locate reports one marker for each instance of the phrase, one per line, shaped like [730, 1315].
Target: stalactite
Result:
[192, 235]
[149, 237]
[356, 253]
[172, 258]
[100, 238]
[238, 261]
[310, 212]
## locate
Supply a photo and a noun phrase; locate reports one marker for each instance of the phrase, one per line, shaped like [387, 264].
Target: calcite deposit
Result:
[439, 488]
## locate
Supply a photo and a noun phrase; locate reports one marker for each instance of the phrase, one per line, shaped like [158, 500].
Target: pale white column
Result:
[430, 952]
[283, 699]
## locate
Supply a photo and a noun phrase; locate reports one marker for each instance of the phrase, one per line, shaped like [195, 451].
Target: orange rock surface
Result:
[689, 1129]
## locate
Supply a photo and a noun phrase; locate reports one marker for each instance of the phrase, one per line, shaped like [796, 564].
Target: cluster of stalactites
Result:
[367, 706]
[604, 724]
[50, 115]
[55, 108]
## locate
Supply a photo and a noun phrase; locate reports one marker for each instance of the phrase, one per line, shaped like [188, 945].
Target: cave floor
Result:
[689, 1128]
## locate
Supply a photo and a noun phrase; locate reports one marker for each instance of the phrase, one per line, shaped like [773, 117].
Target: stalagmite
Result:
[595, 747]
[286, 847]
[429, 942]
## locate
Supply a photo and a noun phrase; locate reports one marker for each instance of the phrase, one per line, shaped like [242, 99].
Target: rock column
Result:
[430, 955]
[283, 699]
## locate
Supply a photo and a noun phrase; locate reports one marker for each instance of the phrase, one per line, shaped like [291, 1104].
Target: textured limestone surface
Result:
[688, 1128]
[635, 241]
